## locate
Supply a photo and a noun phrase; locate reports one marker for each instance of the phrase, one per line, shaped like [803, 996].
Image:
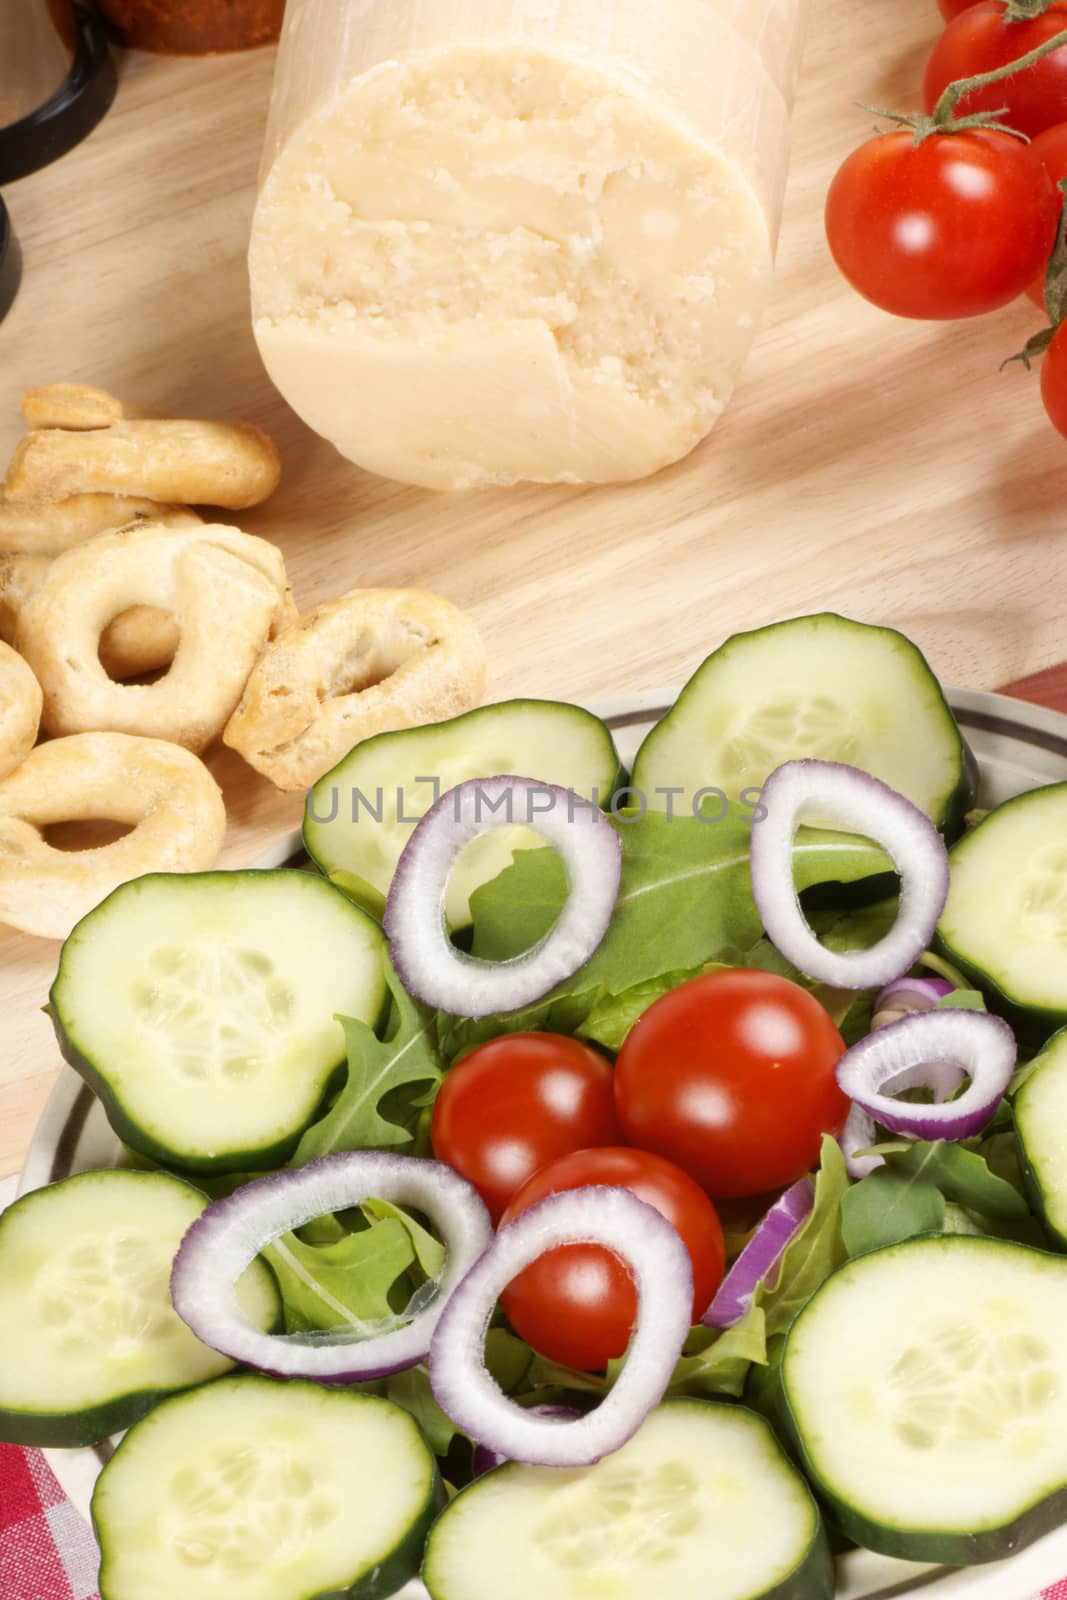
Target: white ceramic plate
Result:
[1018, 747]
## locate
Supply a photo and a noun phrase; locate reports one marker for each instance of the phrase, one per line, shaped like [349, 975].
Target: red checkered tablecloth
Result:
[47, 1551]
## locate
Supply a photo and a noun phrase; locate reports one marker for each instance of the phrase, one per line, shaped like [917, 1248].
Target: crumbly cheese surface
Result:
[477, 266]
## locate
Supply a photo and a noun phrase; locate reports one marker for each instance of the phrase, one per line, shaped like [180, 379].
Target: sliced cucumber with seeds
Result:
[1040, 1109]
[248, 1489]
[359, 816]
[89, 1340]
[926, 1385]
[1005, 922]
[820, 687]
[700, 1502]
[202, 1008]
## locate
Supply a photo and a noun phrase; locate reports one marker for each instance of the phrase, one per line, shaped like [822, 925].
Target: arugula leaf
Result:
[408, 1055]
[962, 1000]
[345, 1284]
[722, 1365]
[961, 1175]
[411, 1389]
[685, 897]
[564, 1015]
[886, 1207]
[816, 1250]
[427, 1251]
[613, 1015]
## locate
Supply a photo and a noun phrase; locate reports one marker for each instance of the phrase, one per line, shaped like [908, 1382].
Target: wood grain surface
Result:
[883, 468]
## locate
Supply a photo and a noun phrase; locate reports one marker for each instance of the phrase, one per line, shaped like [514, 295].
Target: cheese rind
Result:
[475, 264]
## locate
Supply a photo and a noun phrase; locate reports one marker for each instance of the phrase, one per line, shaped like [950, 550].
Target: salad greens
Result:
[376, 1107]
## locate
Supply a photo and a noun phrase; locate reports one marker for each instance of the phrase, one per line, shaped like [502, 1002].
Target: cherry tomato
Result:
[952, 227]
[731, 1076]
[517, 1102]
[979, 40]
[1050, 148]
[1054, 379]
[952, 8]
[577, 1304]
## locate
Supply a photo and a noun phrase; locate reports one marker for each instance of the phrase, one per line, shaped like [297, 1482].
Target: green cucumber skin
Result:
[264, 1158]
[399, 1567]
[1035, 1192]
[959, 802]
[1032, 1025]
[938, 1547]
[74, 1430]
[814, 1577]
[367, 896]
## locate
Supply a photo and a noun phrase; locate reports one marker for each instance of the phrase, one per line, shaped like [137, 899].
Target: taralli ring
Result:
[373, 661]
[230, 464]
[20, 710]
[226, 591]
[47, 527]
[137, 641]
[170, 798]
[71, 405]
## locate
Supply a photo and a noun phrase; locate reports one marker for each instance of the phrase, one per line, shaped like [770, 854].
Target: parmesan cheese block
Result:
[520, 239]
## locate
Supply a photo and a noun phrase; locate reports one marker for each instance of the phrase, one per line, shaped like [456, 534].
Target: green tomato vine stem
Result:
[955, 92]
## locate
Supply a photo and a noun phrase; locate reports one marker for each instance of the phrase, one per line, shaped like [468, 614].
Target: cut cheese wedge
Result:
[525, 240]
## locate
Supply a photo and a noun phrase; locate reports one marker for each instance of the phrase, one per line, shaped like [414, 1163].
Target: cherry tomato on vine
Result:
[978, 41]
[952, 8]
[732, 1076]
[1054, 379]
[518, 1102]
[1050, 148]
[952, 227]
[577, 1303]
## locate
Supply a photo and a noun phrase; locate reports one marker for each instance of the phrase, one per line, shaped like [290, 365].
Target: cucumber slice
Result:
[926, 1385]
[248, 1489]
[1005, 922]
[821, 687]
[701, 1501]
[202, 1008]
[359, 816]
[1040, 1110]
[89, 1340]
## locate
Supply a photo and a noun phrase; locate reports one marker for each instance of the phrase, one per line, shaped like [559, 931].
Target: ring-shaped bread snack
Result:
[169, 797]
[20, 710]
[225, 589]
[49, 526]
[373, 661]
[136, 642]
[177, 459]
[79, 406]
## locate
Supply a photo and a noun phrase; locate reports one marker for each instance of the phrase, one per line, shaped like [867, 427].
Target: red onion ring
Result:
[858, 803]
[430, 965]
[659, 1263]
[231, 1232]
[921, 1049]
[761, 1255]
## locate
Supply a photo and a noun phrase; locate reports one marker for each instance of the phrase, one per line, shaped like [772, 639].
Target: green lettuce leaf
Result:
[379, 1070]
[345, 1284]
[720, 1362]
[886, 1207]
